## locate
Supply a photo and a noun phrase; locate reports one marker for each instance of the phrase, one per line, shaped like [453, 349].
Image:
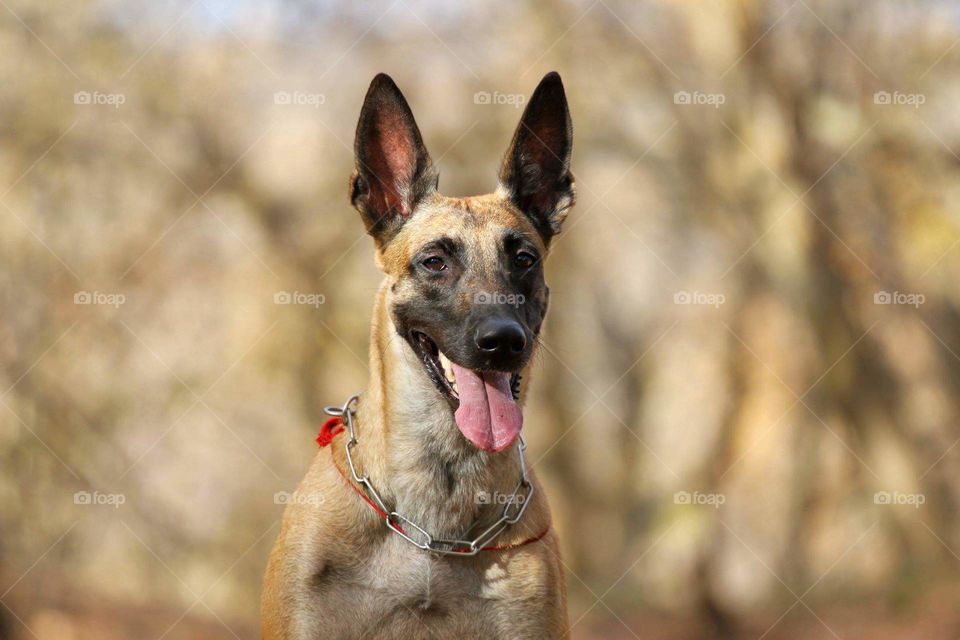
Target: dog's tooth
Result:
[445, 363]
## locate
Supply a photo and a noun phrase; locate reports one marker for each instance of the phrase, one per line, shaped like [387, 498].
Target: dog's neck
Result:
[411, 447]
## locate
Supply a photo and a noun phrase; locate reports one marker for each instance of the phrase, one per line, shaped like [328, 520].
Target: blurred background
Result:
[746, 407]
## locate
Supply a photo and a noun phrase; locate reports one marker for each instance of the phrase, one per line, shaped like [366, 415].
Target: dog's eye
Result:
[524, 260]
[434, 263]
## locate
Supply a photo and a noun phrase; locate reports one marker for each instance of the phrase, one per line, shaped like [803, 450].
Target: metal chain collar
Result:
[410, 531]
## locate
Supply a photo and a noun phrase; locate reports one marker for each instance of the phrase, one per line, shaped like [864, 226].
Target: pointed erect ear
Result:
[536, 170]
[393, 170]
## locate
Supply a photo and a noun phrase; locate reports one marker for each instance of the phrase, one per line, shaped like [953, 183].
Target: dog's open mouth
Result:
[484, 402]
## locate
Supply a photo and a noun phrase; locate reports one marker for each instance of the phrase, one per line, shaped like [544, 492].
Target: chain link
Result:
[413, 533]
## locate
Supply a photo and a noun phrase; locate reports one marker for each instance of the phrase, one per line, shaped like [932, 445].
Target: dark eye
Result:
[524, 260]
[434, 263]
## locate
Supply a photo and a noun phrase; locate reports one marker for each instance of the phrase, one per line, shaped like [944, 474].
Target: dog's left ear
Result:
[536, 169]
[393, 168]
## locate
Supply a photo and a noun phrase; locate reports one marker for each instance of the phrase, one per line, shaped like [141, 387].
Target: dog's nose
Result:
[498, 336]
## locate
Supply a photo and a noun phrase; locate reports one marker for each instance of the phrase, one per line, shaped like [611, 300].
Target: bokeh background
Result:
[746, 406]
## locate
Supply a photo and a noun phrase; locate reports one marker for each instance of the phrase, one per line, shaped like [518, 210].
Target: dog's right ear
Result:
[393, 168]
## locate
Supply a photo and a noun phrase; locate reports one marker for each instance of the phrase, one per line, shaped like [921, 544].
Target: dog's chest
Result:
[394, 591]
[410, 577]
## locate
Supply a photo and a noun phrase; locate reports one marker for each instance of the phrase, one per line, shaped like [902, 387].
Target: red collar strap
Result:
[334, 426]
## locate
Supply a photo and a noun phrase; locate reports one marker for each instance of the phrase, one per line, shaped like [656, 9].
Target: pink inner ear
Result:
[394, 161]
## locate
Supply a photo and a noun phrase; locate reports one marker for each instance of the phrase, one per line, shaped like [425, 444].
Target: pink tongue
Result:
[488, 415]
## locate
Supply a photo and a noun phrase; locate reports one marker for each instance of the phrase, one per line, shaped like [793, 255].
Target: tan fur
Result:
[337, 572]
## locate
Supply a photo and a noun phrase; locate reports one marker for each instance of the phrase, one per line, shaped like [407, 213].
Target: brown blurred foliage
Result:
[753, 342]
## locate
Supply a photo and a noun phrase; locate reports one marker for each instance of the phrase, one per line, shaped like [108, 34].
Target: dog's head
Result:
[466, 286]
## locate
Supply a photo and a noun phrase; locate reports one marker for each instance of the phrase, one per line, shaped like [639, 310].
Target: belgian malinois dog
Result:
[429, 524]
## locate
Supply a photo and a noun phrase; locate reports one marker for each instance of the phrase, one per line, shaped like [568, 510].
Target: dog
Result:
[426, 522]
